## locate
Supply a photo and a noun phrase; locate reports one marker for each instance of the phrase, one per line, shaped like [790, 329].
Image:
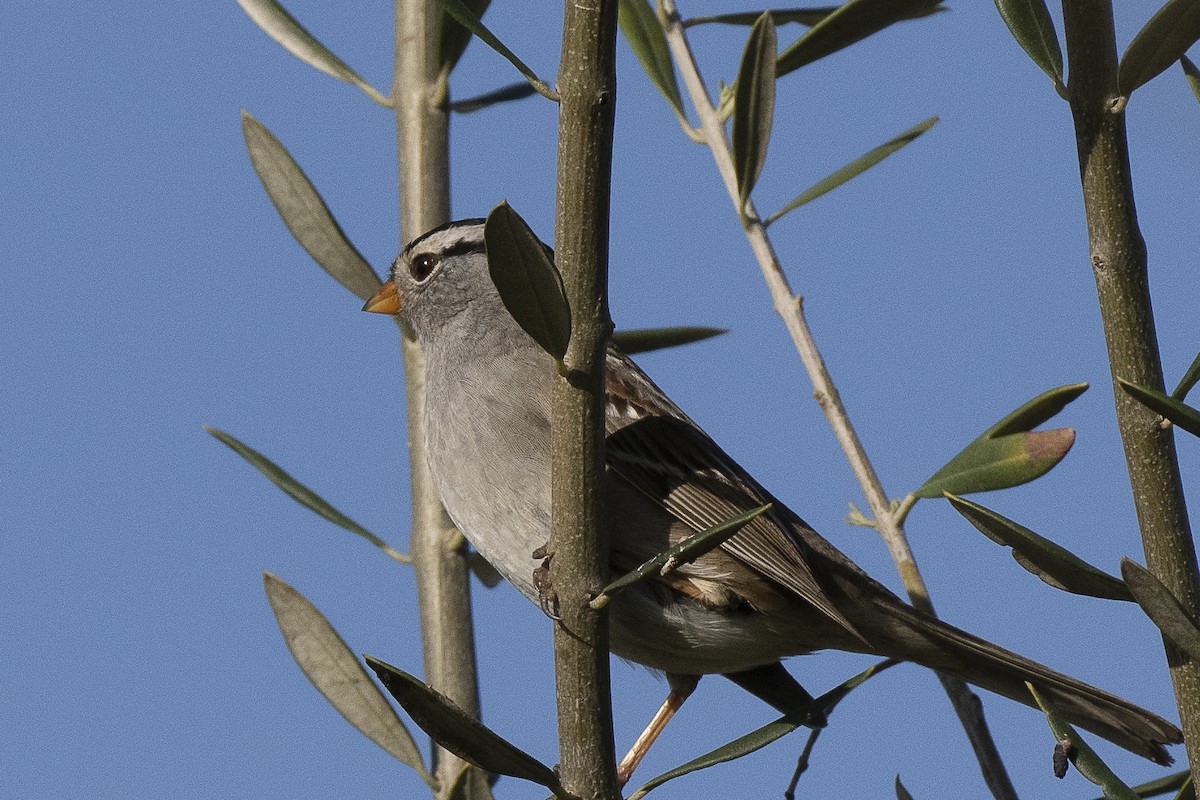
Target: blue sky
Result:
[152, 289]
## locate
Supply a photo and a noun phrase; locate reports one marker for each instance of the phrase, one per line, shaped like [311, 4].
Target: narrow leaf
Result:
[986, 465]
[283, 28]
[639, 25]
[901, 792]
[850, 23]
[1055, 565]
[804, 16]
[761, 737]
[1162, 607]
[301, 493]
[1038, 410]
[646, 339]
[1170, 783]
[304, 212]
[465, 16]
[685, 552]
[505, 94]
[460, 732]
[854, 168]
[1192, 73]
[1180, 414]
[333, 669]
[1081, 754]
[529, 283]
[754, 105]
[1189, 379]
[1030, 24]
[454, 37]
[1162, 42]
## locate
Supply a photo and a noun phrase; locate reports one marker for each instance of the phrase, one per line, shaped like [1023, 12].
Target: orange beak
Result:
[386, 300]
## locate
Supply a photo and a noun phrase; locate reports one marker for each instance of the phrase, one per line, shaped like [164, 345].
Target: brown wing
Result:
[660, 451]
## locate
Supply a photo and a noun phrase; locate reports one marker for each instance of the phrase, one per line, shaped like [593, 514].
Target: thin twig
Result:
[790, 308]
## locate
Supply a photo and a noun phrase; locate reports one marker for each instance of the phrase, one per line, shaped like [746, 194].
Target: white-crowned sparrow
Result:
[776, 589]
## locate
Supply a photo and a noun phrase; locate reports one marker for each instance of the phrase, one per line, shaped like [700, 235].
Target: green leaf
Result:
[1162, 42]
[986, 465]
[333, 669]
[304, 212]
[1185, 789]
[1081, 754]
[1162, 607]
[454, 38]
[854, 168]
[646, 339]
[1009, 453]
[760, 738]
[639, 25]
[460, 732]
[301, 493]
[685, 552]
[754, 105]
[1180, 414]
[505, 94]
[529, 283]
[901, 792]
[1192, 74]
[1053, 564]
[803, 16]
[1171, 783]
[1038, 410]
[1190, 378]
[852, 22]
[283, 28]
[1030, 24]
[465, 16]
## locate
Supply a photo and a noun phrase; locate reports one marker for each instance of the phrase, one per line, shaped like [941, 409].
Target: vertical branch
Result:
[587, 88]
[1119, 264]
[438, 550]
[790, 307]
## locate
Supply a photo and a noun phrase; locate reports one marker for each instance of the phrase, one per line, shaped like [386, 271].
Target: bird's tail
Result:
[927, 641]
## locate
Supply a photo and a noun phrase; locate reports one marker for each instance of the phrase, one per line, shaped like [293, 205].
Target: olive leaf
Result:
[460, 732]
[641, 30]
[333, 669]
[854, 168]
[505, 94]
[1161, 42]
[1081, 754]
[529, 284]
[754, 105]
[1053, 564]
[281, 26]
[301, 493]
[1179, 413]
[1162, 607]
[644, 340]
[1030, 24]
[685, 552]
[304, 212]
[466, 16]
[454, 37]
[1192, 375]
[761, 737]
[850, 23]
[1192, 73]
[1008, 453]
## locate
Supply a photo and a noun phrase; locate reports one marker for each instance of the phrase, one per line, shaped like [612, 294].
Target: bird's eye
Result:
[422, 266]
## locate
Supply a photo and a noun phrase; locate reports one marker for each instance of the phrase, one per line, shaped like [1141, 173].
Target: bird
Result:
[775, 589]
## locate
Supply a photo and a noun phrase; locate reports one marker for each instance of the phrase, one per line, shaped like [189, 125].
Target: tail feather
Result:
[942, 647]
